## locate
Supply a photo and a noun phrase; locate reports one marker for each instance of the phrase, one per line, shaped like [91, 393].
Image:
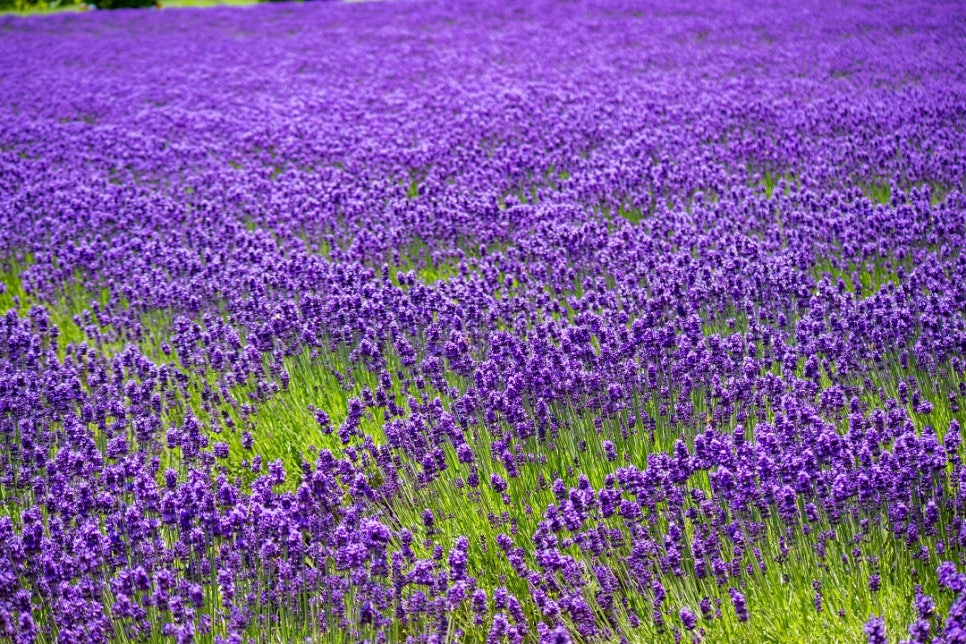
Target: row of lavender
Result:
[485, 321]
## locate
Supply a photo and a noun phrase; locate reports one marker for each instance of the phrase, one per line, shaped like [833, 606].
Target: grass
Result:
[173, 4]
[38, 9]
[44, 8]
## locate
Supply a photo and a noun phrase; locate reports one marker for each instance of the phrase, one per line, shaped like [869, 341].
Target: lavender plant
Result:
[600, 321]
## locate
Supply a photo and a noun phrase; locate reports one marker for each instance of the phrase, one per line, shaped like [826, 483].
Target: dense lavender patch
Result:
[484, 321]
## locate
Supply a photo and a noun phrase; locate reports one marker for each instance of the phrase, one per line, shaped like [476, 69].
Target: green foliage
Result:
[36, 6]
[124, 4]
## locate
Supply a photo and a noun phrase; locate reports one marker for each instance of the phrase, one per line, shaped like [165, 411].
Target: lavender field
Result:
[484, 321]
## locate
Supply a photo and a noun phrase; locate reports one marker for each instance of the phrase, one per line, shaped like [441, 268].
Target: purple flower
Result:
[738, 601]
[688, 619]
[874, 630]
[499, 485]
[610, 453]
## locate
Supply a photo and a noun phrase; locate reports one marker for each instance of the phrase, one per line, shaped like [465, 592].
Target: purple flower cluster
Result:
[482, 320]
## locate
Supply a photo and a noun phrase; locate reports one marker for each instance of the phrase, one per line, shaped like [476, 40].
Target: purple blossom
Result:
[391, 253]
[874, 630]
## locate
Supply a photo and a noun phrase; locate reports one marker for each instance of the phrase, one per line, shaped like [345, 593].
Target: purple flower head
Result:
[688, 619]
[874, 630]
[738, 601]
[610, 452]
[950, 577]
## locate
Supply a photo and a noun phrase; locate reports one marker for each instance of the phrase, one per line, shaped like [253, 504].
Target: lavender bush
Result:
[484, 321]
